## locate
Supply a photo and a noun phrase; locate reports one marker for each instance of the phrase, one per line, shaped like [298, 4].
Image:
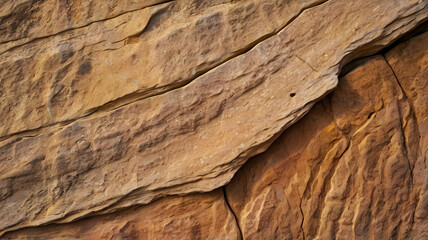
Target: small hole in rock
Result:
[292, 94]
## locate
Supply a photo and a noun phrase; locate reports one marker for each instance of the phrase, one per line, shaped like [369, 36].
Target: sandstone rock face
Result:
[409, 62]
[354, 167]
[111, 105]
[91, 55]
[199, 216]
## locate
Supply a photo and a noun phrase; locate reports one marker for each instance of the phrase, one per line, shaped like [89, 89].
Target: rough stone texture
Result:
[197, 216]
[79, 62]
[354, 167]
[122, 107]
[25, 20]
[410, 64]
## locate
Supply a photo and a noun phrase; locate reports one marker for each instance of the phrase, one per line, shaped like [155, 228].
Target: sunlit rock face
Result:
[128, 119]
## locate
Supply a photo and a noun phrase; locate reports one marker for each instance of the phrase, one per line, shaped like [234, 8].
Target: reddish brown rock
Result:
[197, 216]
[354, 167]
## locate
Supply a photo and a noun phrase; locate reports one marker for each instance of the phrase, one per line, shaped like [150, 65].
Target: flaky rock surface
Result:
[108, 106]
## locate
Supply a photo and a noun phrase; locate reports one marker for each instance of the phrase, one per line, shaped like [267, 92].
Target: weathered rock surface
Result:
[25, 20]
[198, 216]
[117, 108]
[354, 167]
[409, 62]
[91, 53]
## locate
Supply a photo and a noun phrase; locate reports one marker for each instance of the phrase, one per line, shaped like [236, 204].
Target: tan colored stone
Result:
[197, 216]
[25, 20]
[109, 59]
[353, 167]
[193, 138]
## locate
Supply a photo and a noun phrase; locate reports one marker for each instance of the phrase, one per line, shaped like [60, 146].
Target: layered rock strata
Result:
[353, 168]
[117, 108]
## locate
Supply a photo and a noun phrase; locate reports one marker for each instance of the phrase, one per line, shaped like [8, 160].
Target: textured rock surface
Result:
[198, 216]
[118, 107]
[410, 64]
[78, 62]
[331, 175]
[354, 167]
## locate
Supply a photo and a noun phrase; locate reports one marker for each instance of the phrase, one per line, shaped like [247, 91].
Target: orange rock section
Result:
[197, 216]
[354, 167]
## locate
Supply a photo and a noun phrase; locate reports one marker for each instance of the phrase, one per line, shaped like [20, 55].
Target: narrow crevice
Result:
[153, 92]
[74, 28]
[303, 218]
[233, 213]
[412, 110]
[395, 76]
